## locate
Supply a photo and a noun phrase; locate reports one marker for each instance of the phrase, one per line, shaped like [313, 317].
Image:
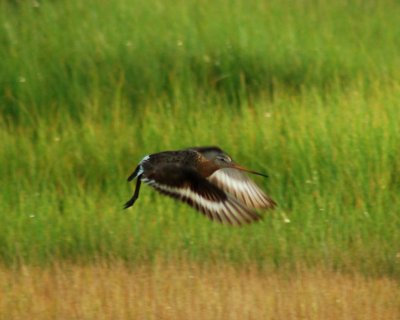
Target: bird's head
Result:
[223, 160]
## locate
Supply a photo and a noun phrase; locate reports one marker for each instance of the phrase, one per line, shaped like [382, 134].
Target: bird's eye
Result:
[224, 159]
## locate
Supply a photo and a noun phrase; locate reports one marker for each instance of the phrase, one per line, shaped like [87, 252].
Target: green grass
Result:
[305, 92]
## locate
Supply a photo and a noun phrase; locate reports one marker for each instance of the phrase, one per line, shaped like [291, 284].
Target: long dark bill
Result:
[236, 166]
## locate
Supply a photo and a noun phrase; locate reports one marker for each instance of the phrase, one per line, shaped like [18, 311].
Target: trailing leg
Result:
[135, 194]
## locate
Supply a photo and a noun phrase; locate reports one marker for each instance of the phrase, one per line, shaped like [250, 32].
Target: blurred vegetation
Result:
[306, 91]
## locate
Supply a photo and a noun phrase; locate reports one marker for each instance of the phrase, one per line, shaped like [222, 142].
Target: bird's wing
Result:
[240, 186]
[187, 185]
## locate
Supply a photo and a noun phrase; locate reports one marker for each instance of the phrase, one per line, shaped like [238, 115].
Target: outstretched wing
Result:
[240, 186]
[187, 185]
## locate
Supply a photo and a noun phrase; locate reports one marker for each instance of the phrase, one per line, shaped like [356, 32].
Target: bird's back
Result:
[184, 158]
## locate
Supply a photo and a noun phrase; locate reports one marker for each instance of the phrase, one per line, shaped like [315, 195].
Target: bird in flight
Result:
[207, 179]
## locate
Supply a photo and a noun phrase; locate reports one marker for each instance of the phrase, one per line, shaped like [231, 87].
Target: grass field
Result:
[307, 92]
[163, 291]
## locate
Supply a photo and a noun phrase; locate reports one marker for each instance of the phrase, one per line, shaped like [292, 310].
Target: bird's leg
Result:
[135, 194]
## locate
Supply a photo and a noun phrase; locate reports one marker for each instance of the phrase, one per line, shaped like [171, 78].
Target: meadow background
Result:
[307, 92]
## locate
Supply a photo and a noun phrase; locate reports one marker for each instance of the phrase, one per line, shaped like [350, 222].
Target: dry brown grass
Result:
[188, 291]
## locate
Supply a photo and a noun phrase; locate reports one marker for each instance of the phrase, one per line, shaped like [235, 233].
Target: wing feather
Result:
[188, 186]
[240, 186]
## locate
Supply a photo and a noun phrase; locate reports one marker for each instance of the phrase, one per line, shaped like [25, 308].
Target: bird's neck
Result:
[206, 168]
